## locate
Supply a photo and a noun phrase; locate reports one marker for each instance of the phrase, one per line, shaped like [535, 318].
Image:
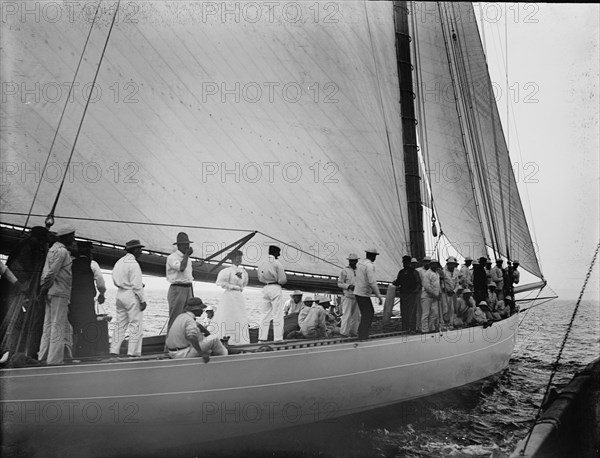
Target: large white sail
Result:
[205, 118]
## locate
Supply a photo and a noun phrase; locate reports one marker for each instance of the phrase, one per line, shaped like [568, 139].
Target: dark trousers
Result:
[408, 308]
[365, 306]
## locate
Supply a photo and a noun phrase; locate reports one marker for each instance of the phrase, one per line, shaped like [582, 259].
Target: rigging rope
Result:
[61, 116]
[50, 217]
[562, 346]
[380, 100]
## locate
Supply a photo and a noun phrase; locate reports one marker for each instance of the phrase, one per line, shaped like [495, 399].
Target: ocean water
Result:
[486, 418]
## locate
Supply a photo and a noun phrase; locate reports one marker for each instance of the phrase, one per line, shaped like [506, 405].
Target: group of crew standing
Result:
[60, 316]
[432, 297]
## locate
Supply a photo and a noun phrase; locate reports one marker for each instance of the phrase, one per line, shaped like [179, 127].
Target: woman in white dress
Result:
[231, 318]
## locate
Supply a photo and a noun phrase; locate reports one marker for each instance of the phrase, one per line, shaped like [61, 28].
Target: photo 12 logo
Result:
[270, 172]
[67, 11]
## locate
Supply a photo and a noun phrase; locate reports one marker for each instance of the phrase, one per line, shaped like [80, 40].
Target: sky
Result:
[553, 72]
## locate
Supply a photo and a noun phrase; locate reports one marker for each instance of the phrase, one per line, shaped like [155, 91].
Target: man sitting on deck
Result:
[293, 304]
[314, 325]
[184, 339]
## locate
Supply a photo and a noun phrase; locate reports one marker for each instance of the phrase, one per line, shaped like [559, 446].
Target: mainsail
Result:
[228, 118]
[469, 168]
[288, 125]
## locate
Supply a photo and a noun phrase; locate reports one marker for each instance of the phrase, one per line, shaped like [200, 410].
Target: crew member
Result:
[272, 274]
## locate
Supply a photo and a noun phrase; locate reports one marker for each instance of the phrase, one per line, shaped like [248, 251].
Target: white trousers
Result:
[429, 313]
[211, 345]
[272, 309]
[350, 316]
[129, 316]
[57, 330]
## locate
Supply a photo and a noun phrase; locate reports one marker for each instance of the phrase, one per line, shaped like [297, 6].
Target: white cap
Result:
[64, 230]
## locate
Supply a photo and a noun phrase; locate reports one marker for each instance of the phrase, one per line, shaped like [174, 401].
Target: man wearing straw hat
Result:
[430, 298]
[179, 275]
[450, 284]
[350, 313]
[293, 304]
[127, 277]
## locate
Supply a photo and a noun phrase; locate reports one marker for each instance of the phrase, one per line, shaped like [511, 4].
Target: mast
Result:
[409, 131]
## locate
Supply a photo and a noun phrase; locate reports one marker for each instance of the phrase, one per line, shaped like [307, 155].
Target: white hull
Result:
[129, 407]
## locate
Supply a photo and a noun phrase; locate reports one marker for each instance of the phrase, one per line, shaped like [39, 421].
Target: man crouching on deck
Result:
[184, 339]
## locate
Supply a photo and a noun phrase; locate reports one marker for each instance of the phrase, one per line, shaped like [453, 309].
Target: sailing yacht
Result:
[317, 127]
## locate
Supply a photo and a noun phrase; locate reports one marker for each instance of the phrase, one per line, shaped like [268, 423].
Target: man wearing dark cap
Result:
[272, 274]
[55, 286]
[408, 283]
[127, 276]
[179, 275]
[366, 285]
[184, 339]
[82, 311]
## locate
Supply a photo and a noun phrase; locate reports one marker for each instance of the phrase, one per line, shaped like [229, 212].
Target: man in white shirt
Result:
[365, 286]
[127, 277]
[430, 298]
[294, 303]
[421, 271]
[55, 288]
[272, 274]
[314, 324]
[179, 275]
[498, 278]
[466, 274]
[350, 313]
[184, 339]
[450, 285]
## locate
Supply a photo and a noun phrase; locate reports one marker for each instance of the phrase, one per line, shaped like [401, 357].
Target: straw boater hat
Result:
[182, 237]
[413, 260]
[308, 299]
[466, 290]
[133, 244]
[426, 259]
[296, 293]
[372, 250]
[491, 284]
[64, 230]
[211, 307]
[451, 260]
[352, 256]
[468, 258]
